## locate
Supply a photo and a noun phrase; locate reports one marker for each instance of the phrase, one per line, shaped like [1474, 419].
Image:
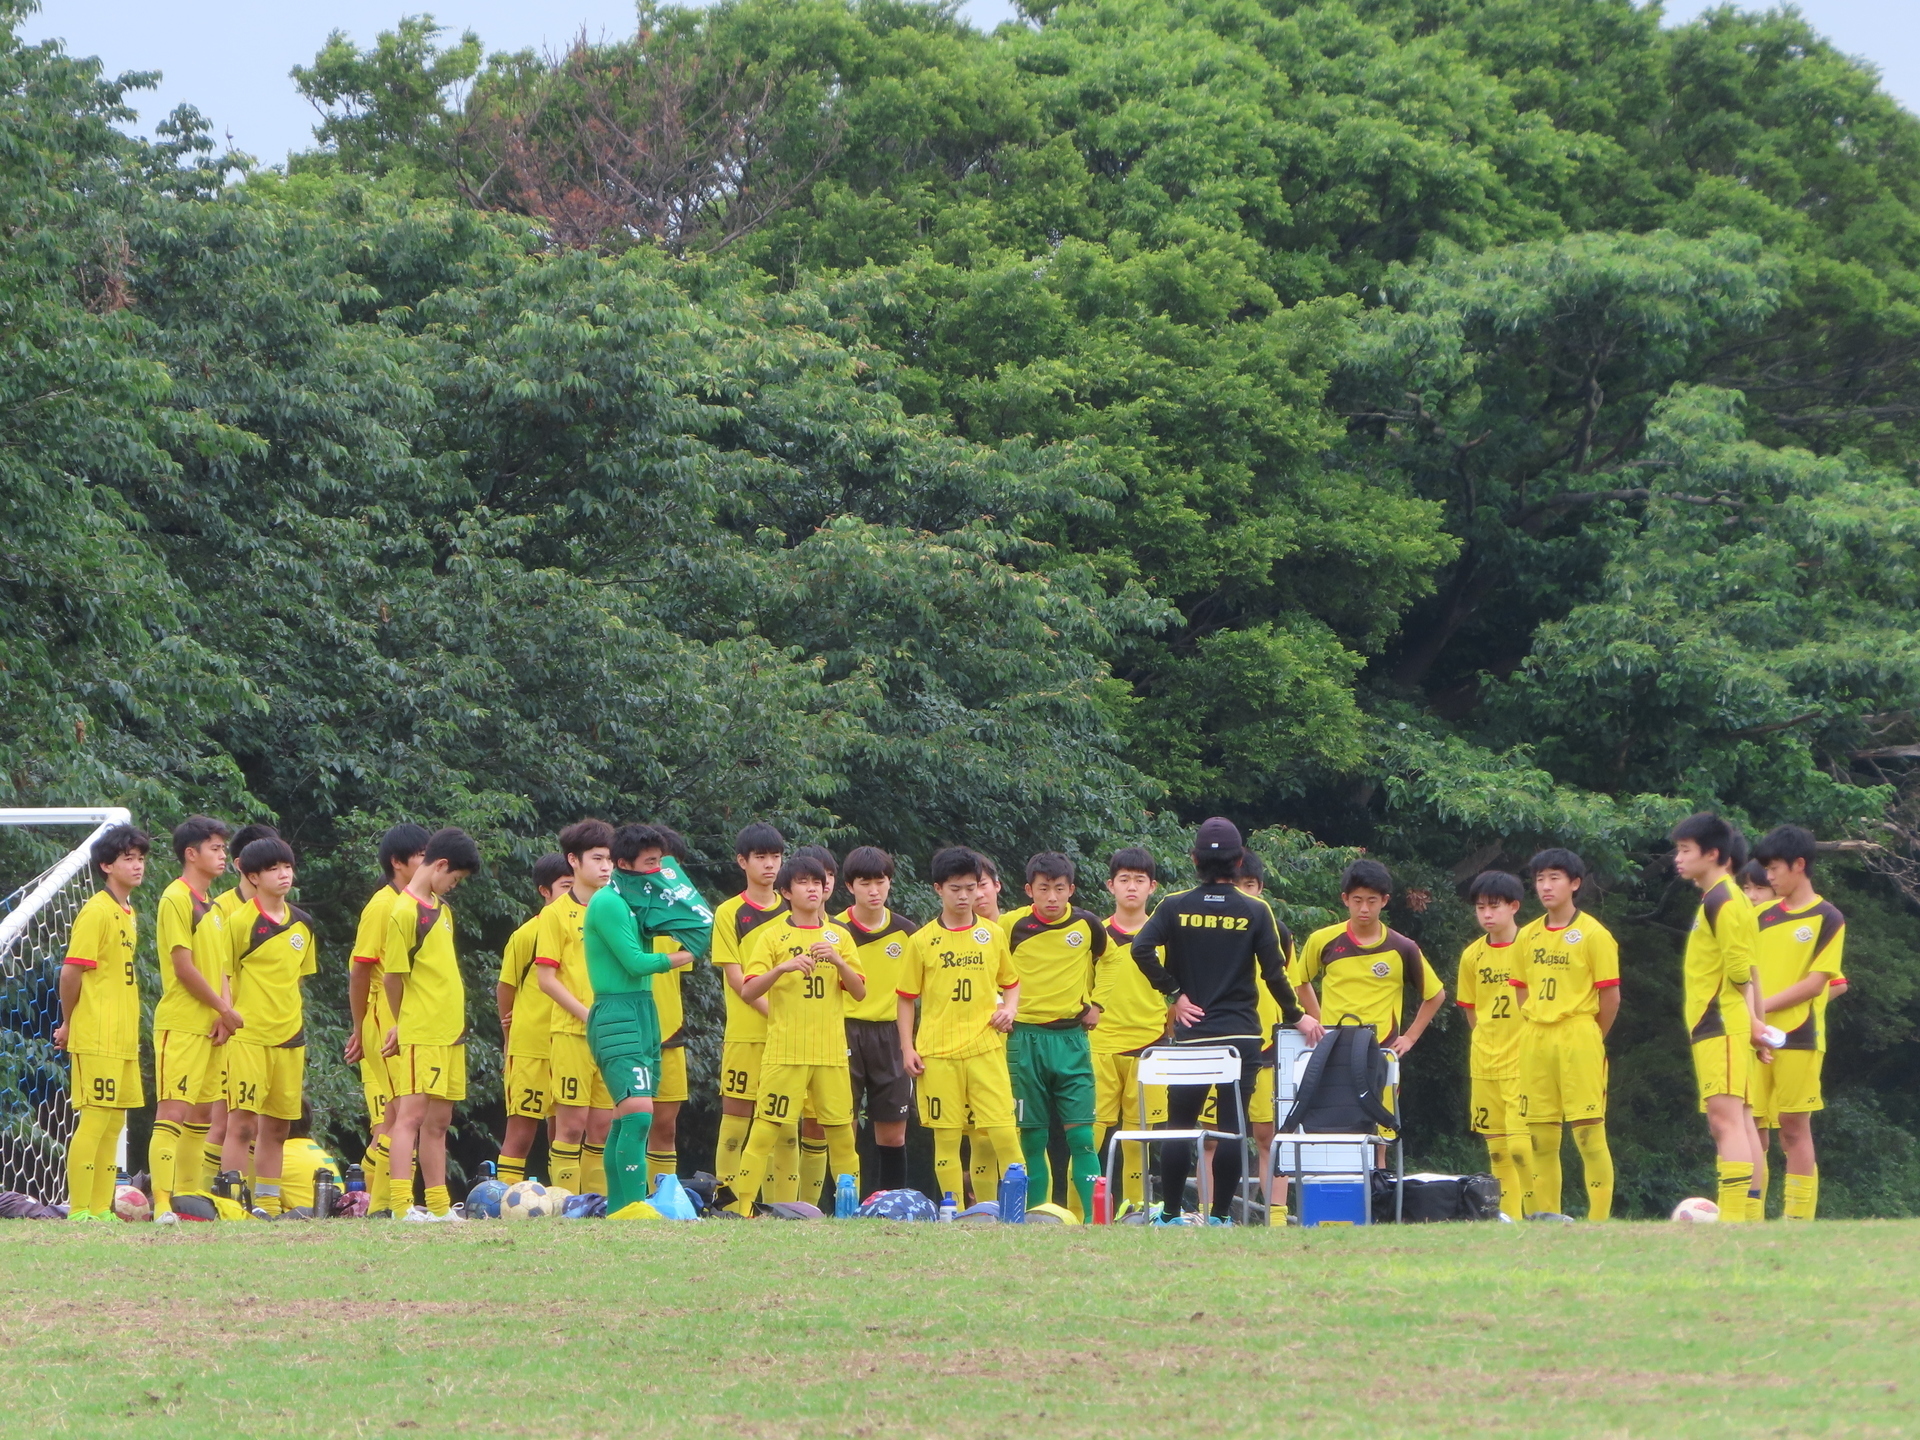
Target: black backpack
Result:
[1342, 1091]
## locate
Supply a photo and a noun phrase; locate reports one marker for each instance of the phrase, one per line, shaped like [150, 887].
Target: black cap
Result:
[1217, 837]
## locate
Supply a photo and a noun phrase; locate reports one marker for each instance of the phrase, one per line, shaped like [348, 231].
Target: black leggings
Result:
[1184, 1103]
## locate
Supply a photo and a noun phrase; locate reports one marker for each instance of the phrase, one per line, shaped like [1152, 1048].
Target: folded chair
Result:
[1342, 1100]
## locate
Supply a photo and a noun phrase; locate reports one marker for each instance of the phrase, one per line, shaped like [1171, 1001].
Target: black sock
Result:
[893, 1166]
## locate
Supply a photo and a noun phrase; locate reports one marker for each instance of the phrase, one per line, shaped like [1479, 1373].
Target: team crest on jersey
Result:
[982, 935]
[1381, 969]
[894, 951]
[1803, 934]
[1573, 937]
[1075, 939]
[296, 942]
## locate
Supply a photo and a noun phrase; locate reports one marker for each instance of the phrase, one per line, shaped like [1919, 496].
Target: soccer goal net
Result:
[36, 1117]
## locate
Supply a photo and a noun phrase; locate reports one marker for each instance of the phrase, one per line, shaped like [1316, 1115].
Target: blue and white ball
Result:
[528, 1200]
[484, 1199]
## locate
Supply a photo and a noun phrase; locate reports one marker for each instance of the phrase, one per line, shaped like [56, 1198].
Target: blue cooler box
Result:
[1335, 1200]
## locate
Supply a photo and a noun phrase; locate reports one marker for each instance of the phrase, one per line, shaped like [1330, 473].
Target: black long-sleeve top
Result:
[1213, 937]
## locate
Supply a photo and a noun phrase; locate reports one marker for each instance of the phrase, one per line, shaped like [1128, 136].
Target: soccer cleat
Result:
[166, 1217]
[379, 1214]
[452, 1217]
[418, 1215]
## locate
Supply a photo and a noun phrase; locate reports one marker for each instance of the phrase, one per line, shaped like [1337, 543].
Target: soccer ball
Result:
[484, 1199]
[132, 1204]
[1695, 1210]
[557, 1201]
[528, 1200]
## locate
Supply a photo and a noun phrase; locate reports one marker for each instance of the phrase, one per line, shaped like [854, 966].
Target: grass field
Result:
[770, 1329]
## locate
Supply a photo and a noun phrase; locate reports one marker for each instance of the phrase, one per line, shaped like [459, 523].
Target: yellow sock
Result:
[983, 1165]
[1596, 1166]
[948, 1173]
[813, 1169]
[399, 1193]
[593, 1169]
[732, 1145]
[510, 1169]
[209, 1163]
[1546, 1168]
[377, 1166]
[783, 1170]
[659, 1163]
[189, 1160]
[438, 1201]
[1005, 1143]
[564, 1161]
[756, 1160]
[97, 1124]
[1802, 1196]
[1757, 1192]
[1736, 1178]
[1500, 1162]
[162, 1151]
[266, 1194]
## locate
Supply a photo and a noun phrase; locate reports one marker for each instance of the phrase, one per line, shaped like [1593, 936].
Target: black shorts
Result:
[881, 1085]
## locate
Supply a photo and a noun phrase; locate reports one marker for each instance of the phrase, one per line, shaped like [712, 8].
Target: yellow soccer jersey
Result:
[298, 1160]
[1054, 962]
[369, 944]
[668, 1003]
[957, 976]
[106, 1021]
[267, 959]
[1564, 970]
[1362, 982]
[433, 1007]
[806, 1014]
[883, 954]
[532, 1009]
[1719, 959]
[561, 944]
[1265, 1006]
[178, 917]
[1793, 944]
[1482, 987]
[734, 922]
[1133, 1015]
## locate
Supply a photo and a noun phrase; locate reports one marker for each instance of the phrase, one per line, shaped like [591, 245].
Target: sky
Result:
[230, 58]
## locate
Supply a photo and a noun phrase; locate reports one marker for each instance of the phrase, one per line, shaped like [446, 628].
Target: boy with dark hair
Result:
[958, 969]
[674, 922]
[810, 1159]
[583, 1108]
[186, 1079]
[982, 1164]
[759, 850]
[1363, 966]
[100, 1020]
[399, 853]
[1202, 948]
[1055, 945]
[803, 964]
[270, 950]
[210, 959]
[882, 1088]
[427, 1047]
[1566, 974]
[1800, 944]
[1752, 880]
[1722, 1005]
[526, 1020]
[1133, 1016]
[1492, 1008]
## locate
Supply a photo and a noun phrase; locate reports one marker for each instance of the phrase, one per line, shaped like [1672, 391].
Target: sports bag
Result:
[1432, 1197]
[1342, 1091]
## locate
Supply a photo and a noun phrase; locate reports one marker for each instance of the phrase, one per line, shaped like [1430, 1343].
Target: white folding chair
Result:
[1184, 1065]
[1300, 1154]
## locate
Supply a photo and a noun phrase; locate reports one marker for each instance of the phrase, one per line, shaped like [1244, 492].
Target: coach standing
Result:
[1211, 938]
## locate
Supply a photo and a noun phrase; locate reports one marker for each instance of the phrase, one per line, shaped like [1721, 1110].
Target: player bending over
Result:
[427, 1048]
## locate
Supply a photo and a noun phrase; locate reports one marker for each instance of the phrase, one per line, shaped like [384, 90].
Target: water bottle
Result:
[326, 1194]
[1013, 1194]
[846, 1198]
[948, 1210]
[1102, 1202]
[356, 1179]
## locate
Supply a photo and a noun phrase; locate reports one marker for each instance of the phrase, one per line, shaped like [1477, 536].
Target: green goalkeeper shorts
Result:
[623, 1032]
[1052, 1074]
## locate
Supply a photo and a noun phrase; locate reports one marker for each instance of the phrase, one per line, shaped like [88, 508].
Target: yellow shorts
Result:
[673, 1075]
[1724, 1066]
[107, 1082]
[1259, 1103]
[376, 1085]
[529, 1087]
[436, 1070]
[740, 1069]
[823, 1092]
[265, 1079]
[187, 1067]
[970, 1093]
[574, 1077]
[1116, 1093]
[1789, 1086]
[1563, 1072]
[1494, 1106]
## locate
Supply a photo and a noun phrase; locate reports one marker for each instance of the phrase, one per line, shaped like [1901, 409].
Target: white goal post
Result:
[36, 1116]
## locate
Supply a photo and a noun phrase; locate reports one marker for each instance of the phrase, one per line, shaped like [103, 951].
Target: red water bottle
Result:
[1102, 1202]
